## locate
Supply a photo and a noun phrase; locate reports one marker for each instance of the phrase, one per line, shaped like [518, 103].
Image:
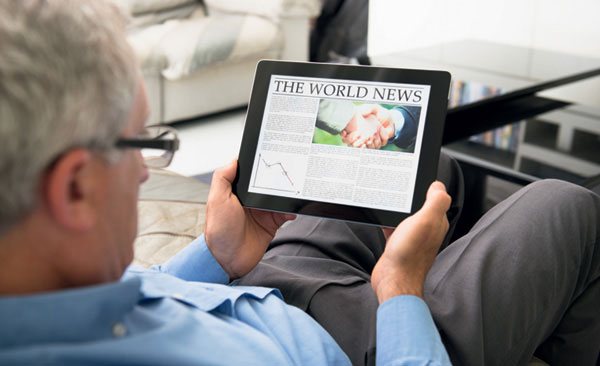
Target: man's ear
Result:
[68, 188]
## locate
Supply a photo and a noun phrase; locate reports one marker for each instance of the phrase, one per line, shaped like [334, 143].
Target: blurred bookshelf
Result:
[563, 144]
[502, 138]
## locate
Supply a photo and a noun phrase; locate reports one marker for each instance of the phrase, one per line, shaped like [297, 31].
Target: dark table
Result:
[515, 113]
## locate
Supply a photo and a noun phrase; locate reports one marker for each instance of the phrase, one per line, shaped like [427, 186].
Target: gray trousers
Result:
[524, 280]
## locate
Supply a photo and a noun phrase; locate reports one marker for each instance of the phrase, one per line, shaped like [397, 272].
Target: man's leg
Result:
[303, 263]
[324, 267]
[528, 273]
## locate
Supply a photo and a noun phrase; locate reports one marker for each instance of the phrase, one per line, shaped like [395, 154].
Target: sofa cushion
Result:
[179, 47]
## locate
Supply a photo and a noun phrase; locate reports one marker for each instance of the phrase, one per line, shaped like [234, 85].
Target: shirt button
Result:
[119, 330]
[178, 296]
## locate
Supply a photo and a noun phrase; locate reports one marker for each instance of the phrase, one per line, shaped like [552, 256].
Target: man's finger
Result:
[388, 231]
[359, 142]
[352, 137]
[437, 199]
[383, 136]
[223, 179]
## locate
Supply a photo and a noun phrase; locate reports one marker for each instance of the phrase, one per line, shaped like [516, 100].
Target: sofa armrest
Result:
[294, 18]
[171, 214]
[272, 9]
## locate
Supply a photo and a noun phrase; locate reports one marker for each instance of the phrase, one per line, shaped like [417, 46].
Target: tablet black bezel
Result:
[430, 147]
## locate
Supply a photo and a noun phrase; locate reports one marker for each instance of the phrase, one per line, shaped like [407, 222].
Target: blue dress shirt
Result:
[184, 313]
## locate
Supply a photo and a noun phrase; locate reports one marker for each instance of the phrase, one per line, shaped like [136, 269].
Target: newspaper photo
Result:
[341, 141]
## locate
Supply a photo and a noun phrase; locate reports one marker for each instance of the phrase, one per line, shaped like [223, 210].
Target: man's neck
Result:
[26, 261]
[23, 274]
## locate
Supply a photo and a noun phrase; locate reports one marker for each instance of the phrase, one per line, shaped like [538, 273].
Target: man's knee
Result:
[565, 194]
[565, 201]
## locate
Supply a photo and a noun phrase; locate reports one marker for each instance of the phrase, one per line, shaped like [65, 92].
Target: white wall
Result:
[571, 26]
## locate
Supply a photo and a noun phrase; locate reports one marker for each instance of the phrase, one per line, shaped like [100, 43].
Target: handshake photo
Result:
[370, 125]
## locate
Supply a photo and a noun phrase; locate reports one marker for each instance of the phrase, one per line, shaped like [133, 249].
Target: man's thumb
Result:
[223, 178]
[437, 198]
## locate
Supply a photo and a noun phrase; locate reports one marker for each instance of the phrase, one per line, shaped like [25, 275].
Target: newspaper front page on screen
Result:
[305, 149]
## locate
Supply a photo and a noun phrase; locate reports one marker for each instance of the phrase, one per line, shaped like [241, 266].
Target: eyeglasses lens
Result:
[157, 158]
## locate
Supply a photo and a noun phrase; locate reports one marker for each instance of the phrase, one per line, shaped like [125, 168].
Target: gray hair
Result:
[67, 79]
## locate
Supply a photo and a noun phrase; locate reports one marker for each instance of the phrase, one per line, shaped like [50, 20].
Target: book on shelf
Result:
[505, 137]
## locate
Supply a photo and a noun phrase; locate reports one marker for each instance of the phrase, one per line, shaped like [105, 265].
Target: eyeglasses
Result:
[158, 144]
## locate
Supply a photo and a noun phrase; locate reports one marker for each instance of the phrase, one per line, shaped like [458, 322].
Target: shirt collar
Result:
[74, 315]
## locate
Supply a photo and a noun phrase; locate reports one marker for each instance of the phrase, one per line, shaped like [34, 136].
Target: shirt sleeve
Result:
[406, 334]
[398, 119]
[334, 115]
[405, 128]
[195, 263]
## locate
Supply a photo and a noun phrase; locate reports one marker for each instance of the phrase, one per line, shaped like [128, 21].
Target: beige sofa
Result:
[199, 57]
[171, 211]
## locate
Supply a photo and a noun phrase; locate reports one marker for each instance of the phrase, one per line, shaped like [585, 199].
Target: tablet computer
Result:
[355, 143]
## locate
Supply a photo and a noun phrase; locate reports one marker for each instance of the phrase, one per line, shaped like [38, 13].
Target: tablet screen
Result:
[347, 142]
[301, 152]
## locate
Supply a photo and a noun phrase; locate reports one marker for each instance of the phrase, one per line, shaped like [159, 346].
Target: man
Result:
[73, 110]
[72, 113]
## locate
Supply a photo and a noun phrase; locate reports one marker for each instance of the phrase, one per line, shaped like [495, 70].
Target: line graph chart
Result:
[273, 176]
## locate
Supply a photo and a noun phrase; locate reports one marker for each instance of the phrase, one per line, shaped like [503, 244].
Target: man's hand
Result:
[385, 130]
[363, 130]
[384, 117]
[237, 237]
[411, 248]
[388, 128]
